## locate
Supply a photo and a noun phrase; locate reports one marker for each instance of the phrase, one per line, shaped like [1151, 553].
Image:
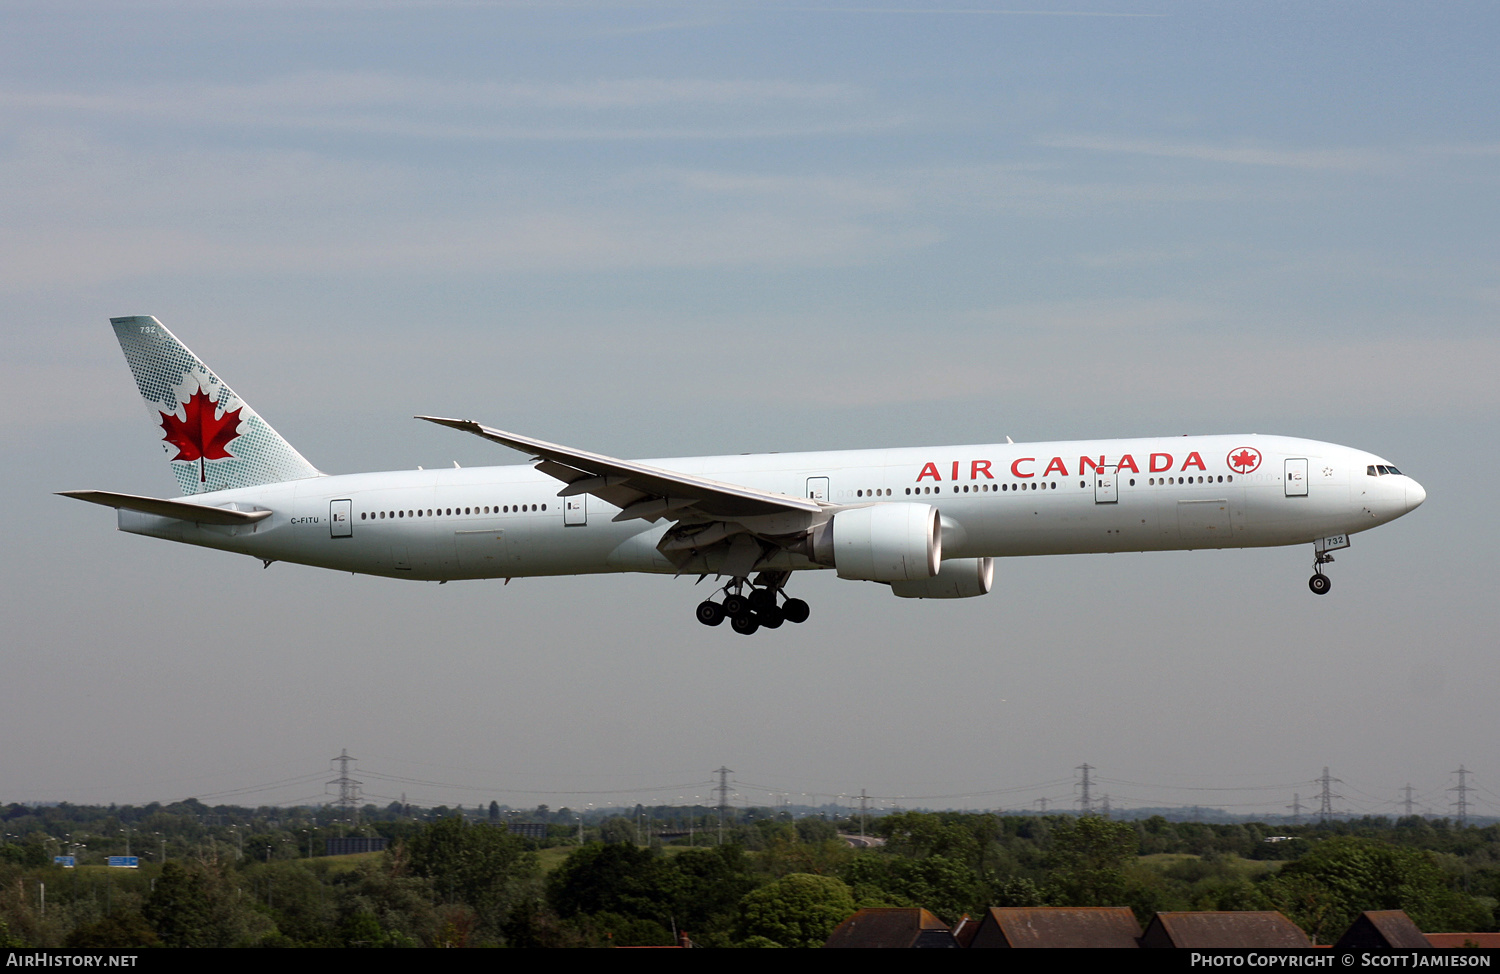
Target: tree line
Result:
[255, 877]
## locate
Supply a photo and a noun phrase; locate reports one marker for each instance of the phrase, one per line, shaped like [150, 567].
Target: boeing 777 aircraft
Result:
[925, 521]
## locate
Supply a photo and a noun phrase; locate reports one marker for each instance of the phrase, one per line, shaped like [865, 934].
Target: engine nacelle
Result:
[881, 543]
[961, 578]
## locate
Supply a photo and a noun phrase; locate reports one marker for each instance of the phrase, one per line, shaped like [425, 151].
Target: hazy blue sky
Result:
[653, 230]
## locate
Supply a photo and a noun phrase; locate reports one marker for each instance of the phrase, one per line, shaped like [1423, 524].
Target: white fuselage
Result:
[995, 500]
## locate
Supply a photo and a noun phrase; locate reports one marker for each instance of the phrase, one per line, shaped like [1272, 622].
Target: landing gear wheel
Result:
[1320, 584]
[762, 599]
[710, 613]
[735, 605]
[770, 618]
[795, 610]
[745, 624]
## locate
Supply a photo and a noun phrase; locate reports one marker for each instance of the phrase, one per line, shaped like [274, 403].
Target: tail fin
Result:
[213, 439]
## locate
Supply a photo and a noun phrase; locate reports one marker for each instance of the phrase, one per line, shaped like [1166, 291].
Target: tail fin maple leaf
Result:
[200, 435]
[166, 371]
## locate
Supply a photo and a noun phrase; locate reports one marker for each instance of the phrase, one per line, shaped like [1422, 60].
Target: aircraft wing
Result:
[638, 489]
[181, 510]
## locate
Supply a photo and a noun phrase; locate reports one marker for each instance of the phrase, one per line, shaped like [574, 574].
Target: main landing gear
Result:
[751, 610]
[1320, 583]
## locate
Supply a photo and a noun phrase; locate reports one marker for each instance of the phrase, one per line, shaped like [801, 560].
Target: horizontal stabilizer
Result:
[181, 510]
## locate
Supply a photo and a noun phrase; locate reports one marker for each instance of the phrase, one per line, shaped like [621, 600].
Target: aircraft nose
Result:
[1415, 495]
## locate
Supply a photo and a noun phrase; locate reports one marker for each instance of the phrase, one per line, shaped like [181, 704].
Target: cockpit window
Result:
[1370, 471]
[1394, 471]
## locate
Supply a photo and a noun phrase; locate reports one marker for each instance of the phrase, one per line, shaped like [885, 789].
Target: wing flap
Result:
[562, 471]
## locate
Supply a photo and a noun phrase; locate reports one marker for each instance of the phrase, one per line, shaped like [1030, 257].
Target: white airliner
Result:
[926, 521]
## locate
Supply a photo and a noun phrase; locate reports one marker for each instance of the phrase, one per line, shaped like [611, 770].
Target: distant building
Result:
[352, 844]
[964, 930]
[892, 927]
[528, 830]
[1465, 941]
[1116, 926]
[1251, 928]
[1057, 926]
[1382, 930]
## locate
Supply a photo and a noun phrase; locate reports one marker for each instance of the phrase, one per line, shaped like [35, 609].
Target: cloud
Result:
[1278, 157]
[1128, 259]
[82, 212]
[1193, 358]
[431, 108]
[1242, 155]
[1199, 360]
[857, 193]
[967, 11]
[1049, 190]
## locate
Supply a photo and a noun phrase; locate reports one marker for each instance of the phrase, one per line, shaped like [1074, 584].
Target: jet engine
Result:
[881, 543]
[961, 578]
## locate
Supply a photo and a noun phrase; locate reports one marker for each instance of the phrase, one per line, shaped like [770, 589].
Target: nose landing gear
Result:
[756, 609]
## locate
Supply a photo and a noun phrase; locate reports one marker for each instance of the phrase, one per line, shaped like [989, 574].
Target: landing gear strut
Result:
[755, 609]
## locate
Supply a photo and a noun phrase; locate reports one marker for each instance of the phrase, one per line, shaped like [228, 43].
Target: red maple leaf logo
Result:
[1246, 460]
[201, 435]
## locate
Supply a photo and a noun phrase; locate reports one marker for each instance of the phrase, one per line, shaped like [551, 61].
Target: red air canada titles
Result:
[1025, 468]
